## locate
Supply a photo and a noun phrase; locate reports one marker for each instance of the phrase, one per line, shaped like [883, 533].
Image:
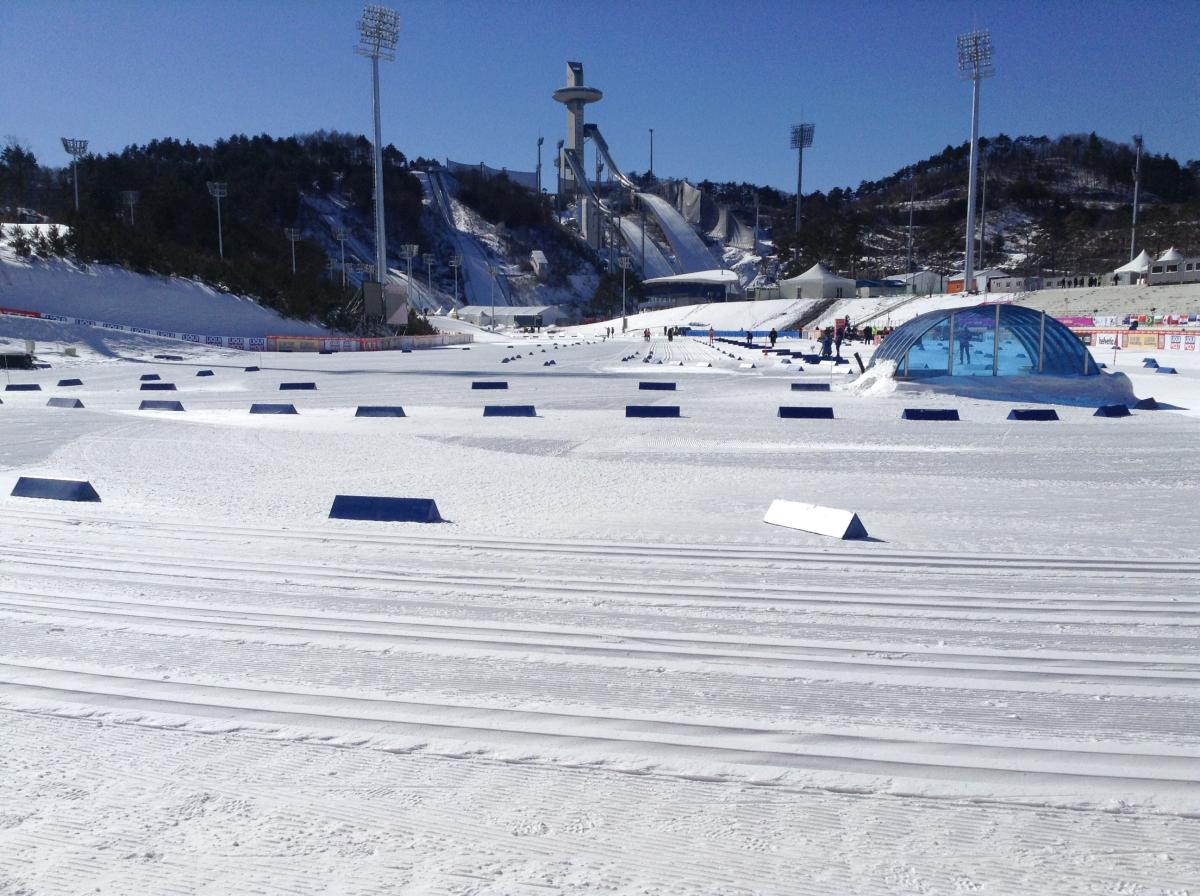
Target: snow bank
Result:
[777, 313]
[116, 295]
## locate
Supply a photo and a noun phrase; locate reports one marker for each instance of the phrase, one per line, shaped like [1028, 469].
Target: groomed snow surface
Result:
[605, 673]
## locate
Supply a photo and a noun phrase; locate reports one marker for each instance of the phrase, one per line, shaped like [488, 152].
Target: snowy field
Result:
[605, 673]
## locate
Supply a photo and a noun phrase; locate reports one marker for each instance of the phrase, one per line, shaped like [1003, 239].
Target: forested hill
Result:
[1052, 204]
[170, 226]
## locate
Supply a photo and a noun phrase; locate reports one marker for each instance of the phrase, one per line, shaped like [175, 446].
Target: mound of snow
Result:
[116, 295]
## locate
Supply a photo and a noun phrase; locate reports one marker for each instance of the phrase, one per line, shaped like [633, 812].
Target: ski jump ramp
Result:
[477, 286]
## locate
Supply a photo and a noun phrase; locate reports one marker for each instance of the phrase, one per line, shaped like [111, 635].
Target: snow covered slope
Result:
[116, 295]
[741, 316]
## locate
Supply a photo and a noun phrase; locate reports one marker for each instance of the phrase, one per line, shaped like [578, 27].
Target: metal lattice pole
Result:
[975, 64]
[75, 148]
[218, 190]
[379, 31]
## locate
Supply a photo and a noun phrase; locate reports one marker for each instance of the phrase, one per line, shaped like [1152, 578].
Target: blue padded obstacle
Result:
[406, 351]
[62, 383]
[54, 489]
[325, 351]
[1165, 370]
[250, 369]
[1146, 404]
[656, 387]
[1112, 410]
[797, 412]
[273, 409]
[297, 387]
[22, 387]
[204, 373]
[1149, 362]
[929, 414]
[149, 405]
[148, 377]
[169, 357]
[64, 403]
[158, 387]
[1033, 414]
[810, 387]
[489, 384]
[509, 410]
[385, 510]
[651, 410]
[379, 410]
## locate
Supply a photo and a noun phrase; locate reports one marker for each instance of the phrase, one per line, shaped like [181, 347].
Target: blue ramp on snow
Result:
[54, 489]
[509, 410]
[810, 387]
[929, 414]
[651, 410]
[1033, 414]
[489, 384]
[657, 387]
[158, 387]
[297, 387]
[148, 405]
[70, 383]
[385, 510]
[1112, 410]
[379, 410]
[22, 387]
[273, 409]
[64, 403]
[796, 412]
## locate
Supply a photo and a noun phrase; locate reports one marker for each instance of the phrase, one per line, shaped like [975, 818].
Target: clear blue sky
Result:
[719, 82]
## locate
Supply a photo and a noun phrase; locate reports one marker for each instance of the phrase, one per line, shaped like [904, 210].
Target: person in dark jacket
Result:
[773, 336]
[827, 342]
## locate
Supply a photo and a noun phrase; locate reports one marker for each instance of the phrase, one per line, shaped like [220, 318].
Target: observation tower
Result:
[574, 96]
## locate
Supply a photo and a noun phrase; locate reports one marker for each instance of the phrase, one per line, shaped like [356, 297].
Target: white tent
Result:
[818, 282]
[1133, 271]
[1171, 254]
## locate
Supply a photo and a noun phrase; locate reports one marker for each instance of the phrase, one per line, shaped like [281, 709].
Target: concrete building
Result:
[922, 283]
[982, 278]
[688, 289]
[818, 282]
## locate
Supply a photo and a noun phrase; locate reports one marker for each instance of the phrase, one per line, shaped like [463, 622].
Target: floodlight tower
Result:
[456, 263]
[491, 269]
[428, 259]
[574, 96]
[378, 32]
[130, 198]
[292, 235]
[218, 190]
[802, 138]
[408, 252]
[974, 64]
[1137, 182]
[541, 140]
[625, 264]
[340, 235]
[75, 148]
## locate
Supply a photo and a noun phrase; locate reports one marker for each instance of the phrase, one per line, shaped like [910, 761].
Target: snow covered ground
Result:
[605, 673]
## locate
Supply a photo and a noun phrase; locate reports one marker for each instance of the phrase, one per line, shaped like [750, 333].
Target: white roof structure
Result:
[715, 276]
[818, 273]
[1171, 254]
[538, 256]
[1139, 265]
[987, 272]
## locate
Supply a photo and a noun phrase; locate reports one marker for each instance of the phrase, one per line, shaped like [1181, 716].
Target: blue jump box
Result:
[929, 414]
[656, 387]
[651, 410]
[63, 383]
[55, 489]
[385, 510]
[1033, 414]
[148, 405]
[509, 410]
[148, 377]
[64, 403]
[379, 410]
[204, 373]
[810, 387]
[273, 409]
[1112, 410]
[297, 387]
[796, 412]
[22, 387]
[158, 387]
[489, 384]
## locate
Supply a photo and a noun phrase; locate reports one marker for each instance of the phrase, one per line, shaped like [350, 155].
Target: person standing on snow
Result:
[773, 335]
[712, 335]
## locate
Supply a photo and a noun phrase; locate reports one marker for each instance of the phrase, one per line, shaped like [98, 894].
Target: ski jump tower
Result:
[575, 96]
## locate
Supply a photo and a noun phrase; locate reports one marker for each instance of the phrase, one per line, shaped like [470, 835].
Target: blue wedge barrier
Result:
[1033, 414]
[489, 384]
[1112, 410]
[273, 409]
[651, 410]
[63, 383]
[930, 414]
[1165, 370]
[22, 387]
[149, 377]
[379, 410]
[297, 387]
[149, 405]
[810, 387]
[799, 412]
[385, 510]
[656, 387]
[55, 489]
[158, 387]
[509, 410]
[64, 403]
[204, 373]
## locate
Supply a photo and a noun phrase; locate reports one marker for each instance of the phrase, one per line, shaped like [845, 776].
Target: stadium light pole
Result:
[974, 64]
[802, 139]
[651, 172]
[908, 265]
[541, 140]
[456, 263]
[130, 198]
[491, 269]
[624, 262]
[75, 148]
[408, 252]
[1137, 182]
[218, 190]
[340, 235]
[428, 259]
[292, 235]
[378, 32]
